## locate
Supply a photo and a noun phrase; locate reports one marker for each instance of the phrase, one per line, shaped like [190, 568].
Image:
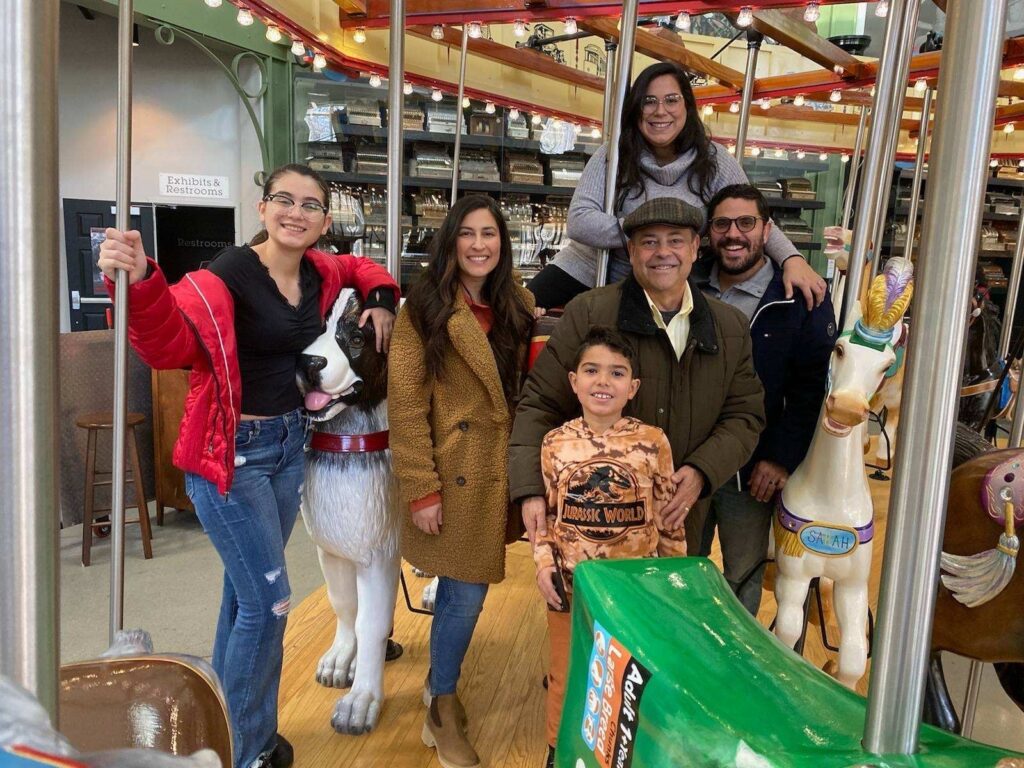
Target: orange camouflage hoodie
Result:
[605, 494]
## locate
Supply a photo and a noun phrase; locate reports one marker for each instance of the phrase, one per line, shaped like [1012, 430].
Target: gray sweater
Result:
[590, 228]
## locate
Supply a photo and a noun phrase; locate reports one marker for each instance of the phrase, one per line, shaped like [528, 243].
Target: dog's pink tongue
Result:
[316, 400]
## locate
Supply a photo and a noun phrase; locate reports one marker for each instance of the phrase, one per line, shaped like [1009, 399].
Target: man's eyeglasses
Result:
[722, 224]
[309, 209]
[671, 102]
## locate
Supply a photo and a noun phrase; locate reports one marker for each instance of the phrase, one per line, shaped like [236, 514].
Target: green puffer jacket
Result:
[709, 403]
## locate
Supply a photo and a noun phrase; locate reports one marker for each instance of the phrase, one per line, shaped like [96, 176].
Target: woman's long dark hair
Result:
[693, 136]
[301, 170]
[432, 299]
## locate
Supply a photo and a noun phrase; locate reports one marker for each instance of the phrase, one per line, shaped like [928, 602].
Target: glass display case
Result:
[341, 131]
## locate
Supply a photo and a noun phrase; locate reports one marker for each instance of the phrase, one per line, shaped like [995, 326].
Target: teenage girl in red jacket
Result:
[239, 326]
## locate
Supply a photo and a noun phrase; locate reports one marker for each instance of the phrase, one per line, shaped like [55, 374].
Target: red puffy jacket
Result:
[192, 325]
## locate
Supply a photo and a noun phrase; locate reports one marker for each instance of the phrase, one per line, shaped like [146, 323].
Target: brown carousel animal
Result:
[978, 611]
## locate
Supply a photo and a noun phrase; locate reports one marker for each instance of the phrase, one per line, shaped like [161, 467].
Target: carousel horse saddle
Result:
[1007, 474]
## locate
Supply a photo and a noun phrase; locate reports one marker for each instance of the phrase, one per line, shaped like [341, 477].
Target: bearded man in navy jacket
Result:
[792, 344]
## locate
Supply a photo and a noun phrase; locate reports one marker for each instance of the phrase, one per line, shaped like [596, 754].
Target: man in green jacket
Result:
[697, 380]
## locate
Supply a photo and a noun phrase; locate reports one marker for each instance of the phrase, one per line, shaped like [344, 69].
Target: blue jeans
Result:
[457, 606]
[249, 529]
[743, 524]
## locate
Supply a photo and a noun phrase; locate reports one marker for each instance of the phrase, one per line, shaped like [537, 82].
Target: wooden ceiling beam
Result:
[664, 48]
[799, 37]
[353, 9]
[520, 58]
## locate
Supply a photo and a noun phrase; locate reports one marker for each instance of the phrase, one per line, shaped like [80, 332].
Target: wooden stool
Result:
[94, 422]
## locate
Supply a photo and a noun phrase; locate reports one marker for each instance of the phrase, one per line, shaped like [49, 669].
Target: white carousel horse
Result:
[824, 517]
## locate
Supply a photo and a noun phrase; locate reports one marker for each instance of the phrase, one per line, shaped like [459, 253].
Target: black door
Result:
[188, 236]
[83, 219]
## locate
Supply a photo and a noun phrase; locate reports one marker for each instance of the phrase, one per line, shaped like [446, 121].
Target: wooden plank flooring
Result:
[501, 679]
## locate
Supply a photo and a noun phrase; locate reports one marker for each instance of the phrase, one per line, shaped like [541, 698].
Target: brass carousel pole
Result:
[754, 39]
[122, 219]
[885, 113]
[396, 105]
[29, 312]
[627, 38]
[957, 172]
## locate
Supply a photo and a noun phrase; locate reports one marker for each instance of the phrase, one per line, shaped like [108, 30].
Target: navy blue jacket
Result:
[792, 348]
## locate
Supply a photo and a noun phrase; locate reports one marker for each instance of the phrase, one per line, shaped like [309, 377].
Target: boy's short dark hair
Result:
[603, 336]
[742, 191]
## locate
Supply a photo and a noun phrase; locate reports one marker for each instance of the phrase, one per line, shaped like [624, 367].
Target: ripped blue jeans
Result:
[249, 530]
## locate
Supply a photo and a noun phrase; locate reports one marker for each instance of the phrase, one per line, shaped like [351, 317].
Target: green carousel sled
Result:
[668, 669]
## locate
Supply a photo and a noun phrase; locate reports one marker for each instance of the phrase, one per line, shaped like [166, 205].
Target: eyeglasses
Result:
[722, 224]
[671, 102]
[308, 209]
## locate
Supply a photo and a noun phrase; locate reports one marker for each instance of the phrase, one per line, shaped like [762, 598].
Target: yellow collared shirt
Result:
[678, 328]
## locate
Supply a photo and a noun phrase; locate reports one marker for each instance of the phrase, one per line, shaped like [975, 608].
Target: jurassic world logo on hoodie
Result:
[603, 500]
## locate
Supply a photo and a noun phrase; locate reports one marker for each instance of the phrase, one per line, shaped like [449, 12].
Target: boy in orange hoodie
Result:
[606, 480]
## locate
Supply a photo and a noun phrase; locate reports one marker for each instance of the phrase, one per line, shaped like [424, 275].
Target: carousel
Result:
[883, 554]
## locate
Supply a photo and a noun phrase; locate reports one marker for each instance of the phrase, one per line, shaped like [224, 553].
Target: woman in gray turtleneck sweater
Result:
[664, 151]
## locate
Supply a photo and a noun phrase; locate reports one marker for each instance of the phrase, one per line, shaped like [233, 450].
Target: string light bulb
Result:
[298, 47]
[844, 157]
[800, 155]
[708, 110]
[734, 107]
[437, 32]
[214, 3]
[489, 108]
[274, 34]
[921, 85]
[823, 156]
[595, 132]
[570, 26]
[882, 9]
[745, 17]
[755, 151]
[466, 102]
[798, 100]
[766, 104]
[519, 28]
[535, 119]
[1008, 128]
[359, 36]
[513, 114]
[731, 149]
[1018, 73]
[993, 163]
[780, 153]
[836, 96]
[683, 21]
[407, 88]
[375, 80]
[812, 12]
[436, 95]
[319, 62]
[244, 17]
[475, 29]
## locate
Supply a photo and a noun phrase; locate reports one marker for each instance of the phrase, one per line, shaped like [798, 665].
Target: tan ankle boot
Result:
[461, 710]
[443, 731]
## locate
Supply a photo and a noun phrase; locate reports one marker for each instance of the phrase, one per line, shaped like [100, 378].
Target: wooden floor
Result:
[501, 680]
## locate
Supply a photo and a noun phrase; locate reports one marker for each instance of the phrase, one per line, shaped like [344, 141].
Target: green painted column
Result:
[279, 114]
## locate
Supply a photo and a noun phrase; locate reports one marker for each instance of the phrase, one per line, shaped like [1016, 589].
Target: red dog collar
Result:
[375, 441]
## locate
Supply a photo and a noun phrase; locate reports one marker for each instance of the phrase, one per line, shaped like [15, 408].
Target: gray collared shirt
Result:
[744, 296]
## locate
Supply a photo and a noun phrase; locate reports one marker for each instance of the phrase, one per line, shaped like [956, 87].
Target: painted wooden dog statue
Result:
[824, 517]
[349, 506]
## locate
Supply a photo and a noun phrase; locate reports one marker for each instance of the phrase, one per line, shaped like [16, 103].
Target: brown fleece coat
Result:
[451, 437]
[709, 403]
